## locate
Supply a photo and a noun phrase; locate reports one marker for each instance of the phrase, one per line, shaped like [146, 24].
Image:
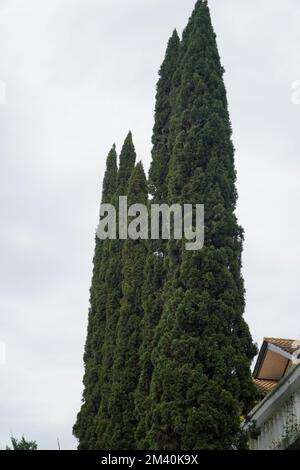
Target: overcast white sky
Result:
[80, 74]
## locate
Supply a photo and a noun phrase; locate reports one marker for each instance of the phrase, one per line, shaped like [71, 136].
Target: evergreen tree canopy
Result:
[126, 368]
[168, 352]
[203, 351]
[126, 165]
[22, 444]
[155, 269]
[160, 139]
[110, 180]
[84, 428]
[113, 285]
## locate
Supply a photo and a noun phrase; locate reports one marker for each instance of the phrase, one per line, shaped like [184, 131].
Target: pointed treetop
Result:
[175, 34]
[174, 39]
[163, 110]
[201, 121]
[127, 162]
[200, 18]
[129, 137]
[138, 188]
[110, 177]
[171, 52]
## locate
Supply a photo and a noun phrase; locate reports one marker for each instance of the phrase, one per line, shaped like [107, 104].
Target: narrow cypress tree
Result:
[84, 429]
[113, 278]
[126, 359]
[155, 269]
[163, 110]
[168, 355]
[203, 348]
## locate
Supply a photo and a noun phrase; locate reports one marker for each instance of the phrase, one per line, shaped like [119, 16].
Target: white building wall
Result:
[274, 429]
[277, 413]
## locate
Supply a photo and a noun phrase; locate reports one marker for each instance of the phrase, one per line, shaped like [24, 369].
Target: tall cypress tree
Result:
[163, 110]
[84, 429]
[203, 349]
[113, 278]
[126, 360]
[168, 352]
[155, 269]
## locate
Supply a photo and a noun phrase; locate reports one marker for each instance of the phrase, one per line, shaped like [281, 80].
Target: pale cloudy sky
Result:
[79, 74]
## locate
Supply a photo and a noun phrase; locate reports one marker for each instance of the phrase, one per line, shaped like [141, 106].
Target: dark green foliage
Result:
[113, 284]
[161, 152]
[110, 180]
[201, 380]
[168, 352]
[126, 360]
[85, 427]
[155, 269]
[127, 162]
[22, 444]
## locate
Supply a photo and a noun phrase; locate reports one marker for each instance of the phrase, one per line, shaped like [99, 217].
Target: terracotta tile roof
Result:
[265, 386]
[288, 345]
